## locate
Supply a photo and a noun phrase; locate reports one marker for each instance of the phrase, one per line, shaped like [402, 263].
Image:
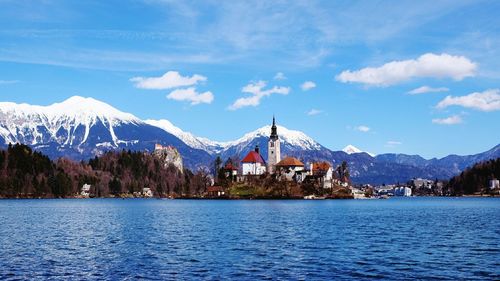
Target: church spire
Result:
[274, 130]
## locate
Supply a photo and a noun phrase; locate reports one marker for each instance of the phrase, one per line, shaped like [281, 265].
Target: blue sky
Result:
[417, 77]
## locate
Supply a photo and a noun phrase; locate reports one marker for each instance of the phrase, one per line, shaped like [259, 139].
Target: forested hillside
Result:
[26, 173]
[475, 179]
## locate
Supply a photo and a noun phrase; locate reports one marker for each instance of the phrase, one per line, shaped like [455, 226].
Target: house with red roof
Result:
[290, 168]
[323, 173]
[253, 163]
[230, 170]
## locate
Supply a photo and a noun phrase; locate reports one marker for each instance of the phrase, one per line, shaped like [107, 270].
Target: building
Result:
[273, 149]
[230, 170]
[494, 183]
[322, 171]
[253, 163]
[169, 155]
[289, 167]
[420, 183]
[147, 192]
[85, 190]
[215, 191]
[402, 191]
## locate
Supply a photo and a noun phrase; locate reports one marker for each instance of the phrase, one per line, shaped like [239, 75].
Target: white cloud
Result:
[4, 82]
[257, 93]
[452, 120]
[362, 128]
[191, 95]
[171, 79]
[280, 76]
[427, 65]
[314, 112]
[488, 100]
[392, 143]
[308, 85]
[427, 89]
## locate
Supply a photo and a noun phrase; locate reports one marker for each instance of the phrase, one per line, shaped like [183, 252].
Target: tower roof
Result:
[274, 130]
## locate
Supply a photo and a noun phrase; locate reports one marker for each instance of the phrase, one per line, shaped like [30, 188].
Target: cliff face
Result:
[169, 155]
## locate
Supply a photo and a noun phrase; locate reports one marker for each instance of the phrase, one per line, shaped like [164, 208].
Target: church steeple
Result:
[274, 130]
[273, 149]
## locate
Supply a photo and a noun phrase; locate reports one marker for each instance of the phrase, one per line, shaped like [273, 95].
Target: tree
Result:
[217, 163]
[115, 186]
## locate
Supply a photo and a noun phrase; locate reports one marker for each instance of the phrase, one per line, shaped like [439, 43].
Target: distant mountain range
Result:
[80, 128]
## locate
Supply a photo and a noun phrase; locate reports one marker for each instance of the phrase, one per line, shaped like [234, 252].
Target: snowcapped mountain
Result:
[351, 149]
[67, 123]
[80, 128]
[293, 143]
[193, 141]
[288, 137]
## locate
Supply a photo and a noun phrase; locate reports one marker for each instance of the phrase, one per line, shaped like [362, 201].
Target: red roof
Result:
[229, 166]
[290, 161]
[321, 166]
[253, 157]
[214, 188]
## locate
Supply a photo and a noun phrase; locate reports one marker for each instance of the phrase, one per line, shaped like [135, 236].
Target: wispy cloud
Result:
[452, 120]
[257, 92]
[362, 128]
[169, 80]
[427, 89]
[488, 100]
[280, 76]
[308, 85]
[427, 65]
[297, 33]
[393, 143]
[191, 95]
[4, 82]
[314, 112]
[114, 60]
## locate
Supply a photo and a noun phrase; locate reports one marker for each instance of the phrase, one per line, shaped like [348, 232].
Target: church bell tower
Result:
[273, 149]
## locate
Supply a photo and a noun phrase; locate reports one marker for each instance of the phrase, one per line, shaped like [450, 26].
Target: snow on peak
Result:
[292, 137]
[295, 138]
[85, 107]
[24, 120]
[187, 137]
[351, 149]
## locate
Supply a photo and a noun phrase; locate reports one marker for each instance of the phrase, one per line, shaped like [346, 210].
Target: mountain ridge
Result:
[80, 128]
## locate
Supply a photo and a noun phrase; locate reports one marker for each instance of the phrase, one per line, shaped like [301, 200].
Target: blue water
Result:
[422, 238]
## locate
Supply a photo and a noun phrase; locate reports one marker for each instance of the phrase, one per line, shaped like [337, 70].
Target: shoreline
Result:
[243, 199]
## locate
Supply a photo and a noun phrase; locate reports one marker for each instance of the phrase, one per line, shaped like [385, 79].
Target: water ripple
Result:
[422, 238]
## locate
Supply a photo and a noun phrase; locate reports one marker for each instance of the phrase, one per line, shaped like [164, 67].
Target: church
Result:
[254, 164]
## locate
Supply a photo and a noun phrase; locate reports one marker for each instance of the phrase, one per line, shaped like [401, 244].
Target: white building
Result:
[253, 163]
[494, 183]
[419, 183]
[402, 191]
[273, 149]
[85, 190]
[324, 171]
[147, 192]
[289, 167]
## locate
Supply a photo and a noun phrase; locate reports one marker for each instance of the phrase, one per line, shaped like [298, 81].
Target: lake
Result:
[95, 239]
